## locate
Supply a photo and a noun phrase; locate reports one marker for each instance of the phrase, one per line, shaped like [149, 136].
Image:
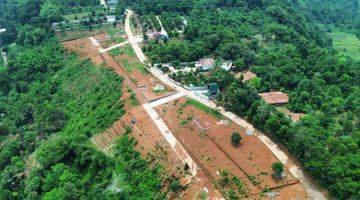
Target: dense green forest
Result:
[50, 104]
[344, 14]
[284, 46]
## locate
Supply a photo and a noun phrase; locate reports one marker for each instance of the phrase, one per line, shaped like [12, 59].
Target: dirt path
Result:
[4, 57]
[102, 2]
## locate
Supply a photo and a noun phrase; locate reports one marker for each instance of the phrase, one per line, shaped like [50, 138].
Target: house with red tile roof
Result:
[277, 98]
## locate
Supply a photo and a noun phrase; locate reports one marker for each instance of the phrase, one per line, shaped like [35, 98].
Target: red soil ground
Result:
[104, 39]
[84, 48]
[213, 151]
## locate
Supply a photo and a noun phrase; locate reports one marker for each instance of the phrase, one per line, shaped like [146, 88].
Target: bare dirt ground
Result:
[104, 39]
[84, 48]
[214, 153]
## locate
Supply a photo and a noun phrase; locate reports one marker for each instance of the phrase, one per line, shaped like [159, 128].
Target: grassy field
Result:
[347, 44]
[129, 64]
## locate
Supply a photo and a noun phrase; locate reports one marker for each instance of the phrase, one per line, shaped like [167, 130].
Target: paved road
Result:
[312, 190]
[101, 50]
[132, 39]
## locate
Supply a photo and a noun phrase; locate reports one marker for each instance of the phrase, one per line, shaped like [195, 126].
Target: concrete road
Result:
[101, 50]
[163, 31]
[132, 39]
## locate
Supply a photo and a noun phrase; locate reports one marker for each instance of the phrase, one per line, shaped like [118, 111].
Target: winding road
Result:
[313, 191]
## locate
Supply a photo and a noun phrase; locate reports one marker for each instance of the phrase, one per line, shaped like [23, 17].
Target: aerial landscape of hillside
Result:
[179, 99]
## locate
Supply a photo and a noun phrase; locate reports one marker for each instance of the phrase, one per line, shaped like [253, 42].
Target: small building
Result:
[205, 64]
[159, 35]
[2, 30]
[247, 75]
[213, 91]
[111, 18]
[226, 66]
[112, 3]
[277, 98]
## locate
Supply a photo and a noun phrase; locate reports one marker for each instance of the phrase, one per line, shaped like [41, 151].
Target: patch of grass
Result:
[254, 180]
[80, 15]
[115, 34]
[347, 44]
[115, 52]
[128, 50]
[133, 64]
[204, 108]
[160, 91]
[133, 99]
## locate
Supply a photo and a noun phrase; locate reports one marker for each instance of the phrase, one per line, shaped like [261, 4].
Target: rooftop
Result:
[226, 65]
[112, 1]
[275, 97]
[206, 61]
[247, 75]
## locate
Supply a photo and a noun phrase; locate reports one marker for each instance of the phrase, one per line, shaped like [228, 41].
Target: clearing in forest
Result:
[347, 44]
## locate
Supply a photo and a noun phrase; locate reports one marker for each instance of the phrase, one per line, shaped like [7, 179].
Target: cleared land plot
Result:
[85, 49]
[110, 37]
[251, 162]
[294, 116]
[347, 44]
[135, 25]
[81, 32]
